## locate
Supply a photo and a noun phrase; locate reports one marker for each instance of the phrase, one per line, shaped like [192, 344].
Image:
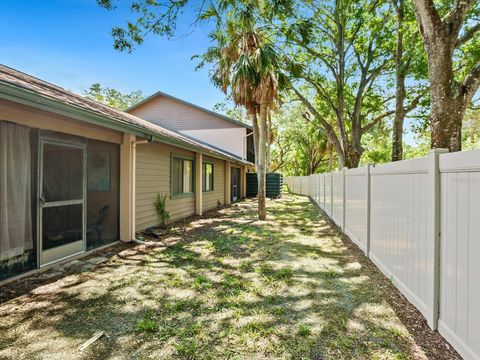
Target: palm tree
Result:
[246, 68]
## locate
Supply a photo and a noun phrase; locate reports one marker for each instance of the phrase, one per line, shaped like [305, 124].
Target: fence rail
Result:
[419, 222]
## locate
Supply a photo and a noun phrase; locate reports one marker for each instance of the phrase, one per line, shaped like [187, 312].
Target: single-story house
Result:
[76, 175]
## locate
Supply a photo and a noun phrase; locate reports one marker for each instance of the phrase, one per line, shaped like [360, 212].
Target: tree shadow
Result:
[290, 287]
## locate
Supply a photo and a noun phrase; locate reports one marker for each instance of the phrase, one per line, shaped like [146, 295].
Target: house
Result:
[76, 175]
[191, 120]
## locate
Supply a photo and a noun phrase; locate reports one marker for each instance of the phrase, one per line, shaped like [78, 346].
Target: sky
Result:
[68, 43]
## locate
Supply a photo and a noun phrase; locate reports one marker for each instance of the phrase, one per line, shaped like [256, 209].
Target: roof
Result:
[23, 88]
[220, 116]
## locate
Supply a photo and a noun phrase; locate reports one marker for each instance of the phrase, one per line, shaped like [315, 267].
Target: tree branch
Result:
[469, 34]
[326, 127]
[321, 91]
[455, 18]
[427, 17]
[413, 104]
[375, 121]
[471, 83]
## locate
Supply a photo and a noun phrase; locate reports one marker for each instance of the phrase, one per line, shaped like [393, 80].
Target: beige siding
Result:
[211, 198]
[178, 116]
[46, 120]
[194, 122]
[152, 177]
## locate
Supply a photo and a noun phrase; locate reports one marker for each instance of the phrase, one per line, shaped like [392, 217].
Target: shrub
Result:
[161, 209]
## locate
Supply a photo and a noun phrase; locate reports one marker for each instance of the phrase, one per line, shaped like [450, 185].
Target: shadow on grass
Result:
[290, 287]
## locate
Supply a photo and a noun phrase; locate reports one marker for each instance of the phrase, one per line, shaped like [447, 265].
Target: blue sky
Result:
[68, 43]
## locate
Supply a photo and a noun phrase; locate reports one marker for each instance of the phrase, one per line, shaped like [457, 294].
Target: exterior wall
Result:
[211, 198]
[228, 139]
[176, 115]
[144, 168]
[193, 122]
[153, 165]
[45, 120]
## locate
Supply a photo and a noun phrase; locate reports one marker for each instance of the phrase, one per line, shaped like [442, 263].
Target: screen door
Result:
[61, 200]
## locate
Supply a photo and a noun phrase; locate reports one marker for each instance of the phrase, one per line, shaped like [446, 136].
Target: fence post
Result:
[434, 236]
[368, 204]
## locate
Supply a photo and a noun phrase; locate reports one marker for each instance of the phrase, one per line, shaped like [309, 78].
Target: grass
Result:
[225, 286]
[147, 324]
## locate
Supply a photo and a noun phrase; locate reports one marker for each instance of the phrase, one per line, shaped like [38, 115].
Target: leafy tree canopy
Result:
[112, 97]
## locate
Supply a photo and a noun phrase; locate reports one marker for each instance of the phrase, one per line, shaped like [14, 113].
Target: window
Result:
[207, 174]
[182, 176]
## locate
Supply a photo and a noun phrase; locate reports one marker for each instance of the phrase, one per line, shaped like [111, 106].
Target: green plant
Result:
[304, 330]
[148, 323]
[160, 206]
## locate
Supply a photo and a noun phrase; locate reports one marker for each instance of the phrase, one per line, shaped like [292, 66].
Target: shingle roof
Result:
[32, 84]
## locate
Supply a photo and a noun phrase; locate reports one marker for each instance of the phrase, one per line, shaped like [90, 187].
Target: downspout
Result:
[245, 145]
[134, 173]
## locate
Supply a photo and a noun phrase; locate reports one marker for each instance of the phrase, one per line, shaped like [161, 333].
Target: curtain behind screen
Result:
[15, 191]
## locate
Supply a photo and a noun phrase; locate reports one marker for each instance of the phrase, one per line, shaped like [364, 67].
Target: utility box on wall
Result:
[273, 185]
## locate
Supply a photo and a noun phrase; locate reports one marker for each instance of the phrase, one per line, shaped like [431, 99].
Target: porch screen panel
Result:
[103, 193]
[16, 239]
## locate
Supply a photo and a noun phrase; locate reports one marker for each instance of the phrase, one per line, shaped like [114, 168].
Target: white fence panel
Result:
[459, 320]
[337, 197]
[356, 206]
[311, 186]
[321, 198]
[304, 187]
[399, 225]
[418, 221]
[295, 185]
[328, 194]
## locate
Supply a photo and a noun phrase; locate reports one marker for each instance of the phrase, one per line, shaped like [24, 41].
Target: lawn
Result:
[222, 286]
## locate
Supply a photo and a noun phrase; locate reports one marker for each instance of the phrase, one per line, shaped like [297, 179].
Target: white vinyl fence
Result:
[419, 222]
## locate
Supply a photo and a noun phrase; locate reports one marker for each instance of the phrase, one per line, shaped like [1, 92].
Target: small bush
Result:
[160, 206]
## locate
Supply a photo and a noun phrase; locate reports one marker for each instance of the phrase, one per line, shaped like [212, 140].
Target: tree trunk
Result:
[447, 105]
[269, 140]
[397, 131]
[261, 162]
[352, 158]
[330, 157]
[449, 99]
[255, 135]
